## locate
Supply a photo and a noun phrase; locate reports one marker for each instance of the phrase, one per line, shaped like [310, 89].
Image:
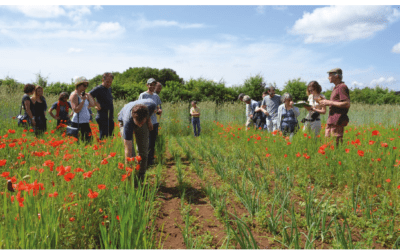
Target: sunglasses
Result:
[85, 85]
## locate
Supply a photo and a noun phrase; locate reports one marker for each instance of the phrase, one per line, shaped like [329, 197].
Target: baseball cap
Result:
[246, 98]
[151, 80]
[336, 70]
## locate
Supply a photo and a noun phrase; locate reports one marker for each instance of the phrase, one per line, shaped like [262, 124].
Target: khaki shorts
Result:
[334, 130]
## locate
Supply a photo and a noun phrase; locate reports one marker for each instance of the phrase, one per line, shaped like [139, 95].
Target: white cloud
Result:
[40, 11]
[383, 81]
[396, 48]
[343, 23]
[143, 23]
[357, 84]
[260, 9]
[75, 13]
[35, 30]
[280, 7]
[74, 50]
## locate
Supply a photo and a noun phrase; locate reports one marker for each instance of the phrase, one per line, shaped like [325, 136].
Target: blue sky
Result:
[229, 43]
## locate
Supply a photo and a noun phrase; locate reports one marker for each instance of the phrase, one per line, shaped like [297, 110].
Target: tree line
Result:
[130, 83]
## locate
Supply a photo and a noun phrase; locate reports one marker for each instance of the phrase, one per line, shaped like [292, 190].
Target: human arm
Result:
[27, 104]
[279, 117]
[321, 110]
[149, 124]
[74, 102]
[344, 104]
[52, 115]
[128, 150]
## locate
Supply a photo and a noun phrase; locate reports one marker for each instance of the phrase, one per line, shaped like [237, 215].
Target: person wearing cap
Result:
[149, 94]
[134, 118]
[269, 107]
[339, 105]
[80, 102]
[105, 105]
[252, 107]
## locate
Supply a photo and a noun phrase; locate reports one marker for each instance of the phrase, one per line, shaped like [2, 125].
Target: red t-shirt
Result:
[338, 116]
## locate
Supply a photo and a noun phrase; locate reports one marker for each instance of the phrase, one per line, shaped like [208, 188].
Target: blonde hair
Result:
[34, 93]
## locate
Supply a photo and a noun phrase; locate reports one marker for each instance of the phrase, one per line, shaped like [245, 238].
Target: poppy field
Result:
[229, 188]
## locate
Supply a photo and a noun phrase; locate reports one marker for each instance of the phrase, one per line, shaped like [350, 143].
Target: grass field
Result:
[228, 188]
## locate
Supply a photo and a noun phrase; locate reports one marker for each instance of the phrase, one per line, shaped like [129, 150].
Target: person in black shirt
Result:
[104, 106]
[27, 105]
[40, 107]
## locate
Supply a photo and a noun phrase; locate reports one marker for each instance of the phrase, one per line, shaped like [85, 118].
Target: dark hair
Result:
[63, 95]
[194, 102]
[29, 88]
[241, 95]
[140, 112]
[107, 74]
[271, 88]
[265, 92]
[315, 85]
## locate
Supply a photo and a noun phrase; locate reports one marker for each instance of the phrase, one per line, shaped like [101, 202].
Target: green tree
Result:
[297, 88]
[40, 80]
[254, 86]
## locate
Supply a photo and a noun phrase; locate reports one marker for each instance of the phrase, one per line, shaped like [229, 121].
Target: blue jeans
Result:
[196, 125]
[106, 127]
[152, 143]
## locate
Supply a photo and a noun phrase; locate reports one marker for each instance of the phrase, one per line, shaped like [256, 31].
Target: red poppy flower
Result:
[138, 158]
[11, 145]
[285, 155]
[118, 217]
[388, 180]
[3, 162]
[5, 174]
[101, 186]
[120, 165]
[92, 194]
[69, 176]
[104, 162]
[112, 154]
[78, 170]
[124, 176]
[11, 131]
[298, 154]
[137, 167]
[289, 143]
[384, 144]
[371, 142]
[360, 153]
[88, 174]
[71, 219]
[347, 150]
[375, 132]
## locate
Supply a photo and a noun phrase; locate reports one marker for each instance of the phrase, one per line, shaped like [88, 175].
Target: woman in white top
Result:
[80, 102]
[312, 120]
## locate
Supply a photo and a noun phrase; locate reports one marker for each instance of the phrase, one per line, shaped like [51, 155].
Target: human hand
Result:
[150, 126]
[33, 122]
[57, 118]
[324, 102]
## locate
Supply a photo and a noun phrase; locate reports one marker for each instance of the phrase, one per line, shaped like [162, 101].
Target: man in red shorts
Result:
[339, 105]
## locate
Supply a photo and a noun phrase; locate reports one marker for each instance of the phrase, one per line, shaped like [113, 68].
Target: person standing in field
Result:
[287, 116]
[158, 91]
[105, 106]
[269, 107]
[339, 105]
[312, 120]
[195, 113]
[28, 106]
[40, 106]
[134, 118]
[62, 106]
[252, 106]
[261, 117]
[149, 94]
[80, 102]
[241, 95]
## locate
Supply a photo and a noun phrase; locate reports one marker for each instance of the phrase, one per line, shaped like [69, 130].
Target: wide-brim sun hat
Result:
[80, 80]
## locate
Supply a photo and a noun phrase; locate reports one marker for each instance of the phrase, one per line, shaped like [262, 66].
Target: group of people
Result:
[276, 112]
[74, 110]
[141, 117]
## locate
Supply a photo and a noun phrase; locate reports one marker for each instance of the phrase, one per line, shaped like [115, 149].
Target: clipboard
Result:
[301, 104]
